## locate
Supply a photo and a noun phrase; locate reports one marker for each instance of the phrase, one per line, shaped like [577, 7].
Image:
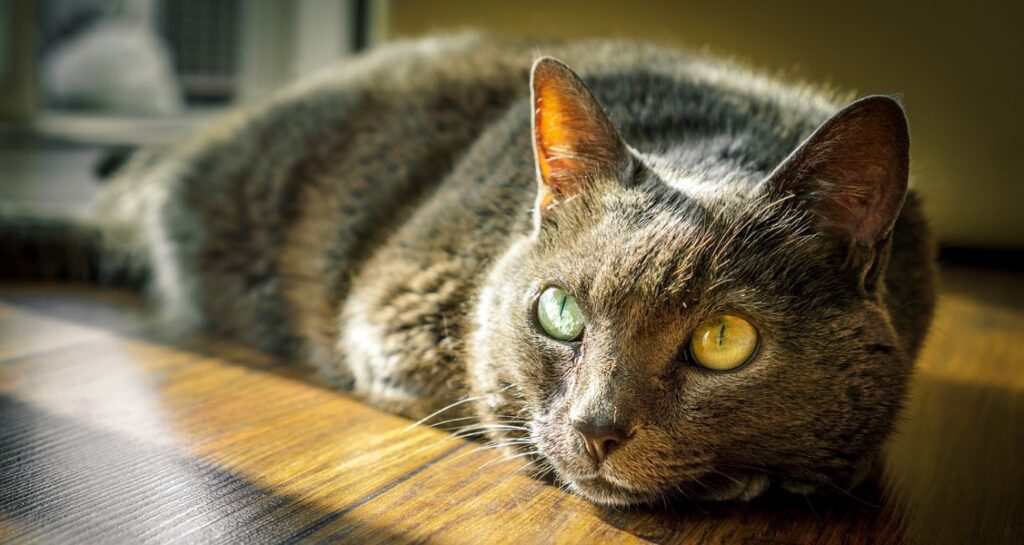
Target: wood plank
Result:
[112, 432]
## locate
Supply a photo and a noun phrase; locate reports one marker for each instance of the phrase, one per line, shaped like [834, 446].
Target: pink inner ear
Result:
[556, 135]
[574, 141]
[852, 172]
[856, 200]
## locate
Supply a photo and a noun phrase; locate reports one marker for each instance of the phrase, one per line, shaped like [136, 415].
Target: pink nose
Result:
[600, 438]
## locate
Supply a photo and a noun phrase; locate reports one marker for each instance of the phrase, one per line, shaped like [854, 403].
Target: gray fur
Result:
[378, 223]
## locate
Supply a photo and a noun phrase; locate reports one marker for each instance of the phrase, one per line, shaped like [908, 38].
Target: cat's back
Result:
[270, 211]
[386, 184]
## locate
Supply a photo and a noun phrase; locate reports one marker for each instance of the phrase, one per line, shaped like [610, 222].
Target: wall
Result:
[957, 67]
[17, 64]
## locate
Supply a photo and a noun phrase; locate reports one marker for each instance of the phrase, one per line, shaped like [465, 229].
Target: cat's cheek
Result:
[490, 327]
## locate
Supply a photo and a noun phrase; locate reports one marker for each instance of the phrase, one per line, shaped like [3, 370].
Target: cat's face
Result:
[618, 401]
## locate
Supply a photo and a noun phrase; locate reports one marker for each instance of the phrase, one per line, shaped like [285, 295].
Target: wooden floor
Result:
[111, 433]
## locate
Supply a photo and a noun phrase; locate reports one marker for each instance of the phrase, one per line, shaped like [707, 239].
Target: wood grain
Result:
[111, 431]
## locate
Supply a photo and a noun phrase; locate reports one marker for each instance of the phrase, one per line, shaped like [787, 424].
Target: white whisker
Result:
[483, 447]
[507, 458]
[439, 411]
[443, 409]
[479, 427]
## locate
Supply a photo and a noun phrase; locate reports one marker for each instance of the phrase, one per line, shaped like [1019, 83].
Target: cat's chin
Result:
[604, 492]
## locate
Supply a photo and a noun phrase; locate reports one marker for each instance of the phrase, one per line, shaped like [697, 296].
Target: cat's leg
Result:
[401, 338]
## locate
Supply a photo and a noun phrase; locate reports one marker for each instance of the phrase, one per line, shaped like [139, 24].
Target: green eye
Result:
[558, 314]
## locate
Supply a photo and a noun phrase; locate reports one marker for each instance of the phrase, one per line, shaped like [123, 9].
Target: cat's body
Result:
[380, 223]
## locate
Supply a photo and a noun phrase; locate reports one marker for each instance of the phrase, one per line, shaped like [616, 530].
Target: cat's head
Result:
[647, 340]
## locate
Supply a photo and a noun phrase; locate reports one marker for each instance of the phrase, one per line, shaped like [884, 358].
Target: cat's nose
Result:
[601, 437]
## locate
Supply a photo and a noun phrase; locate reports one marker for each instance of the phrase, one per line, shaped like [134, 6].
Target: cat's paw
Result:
[739, 488]
[857, 475]
[798, 487]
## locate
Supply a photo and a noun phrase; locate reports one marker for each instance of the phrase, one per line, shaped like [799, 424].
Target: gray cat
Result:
[662, 276]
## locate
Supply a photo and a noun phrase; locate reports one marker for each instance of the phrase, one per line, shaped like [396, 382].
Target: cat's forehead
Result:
[664, 246]
[646, 254]
[712, 183]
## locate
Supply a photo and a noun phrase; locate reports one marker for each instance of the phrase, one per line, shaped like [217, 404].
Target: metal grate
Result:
[204, 36]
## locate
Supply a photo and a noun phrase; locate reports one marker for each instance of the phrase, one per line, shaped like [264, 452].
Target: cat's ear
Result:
[851, 173]
[575, 144]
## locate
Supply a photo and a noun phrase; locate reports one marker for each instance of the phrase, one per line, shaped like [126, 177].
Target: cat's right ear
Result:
[576, 147]
[851, 175]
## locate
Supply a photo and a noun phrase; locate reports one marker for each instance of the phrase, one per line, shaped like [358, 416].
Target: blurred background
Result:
[79, 78]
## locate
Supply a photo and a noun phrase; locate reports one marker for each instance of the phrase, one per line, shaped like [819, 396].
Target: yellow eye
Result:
[724, 342]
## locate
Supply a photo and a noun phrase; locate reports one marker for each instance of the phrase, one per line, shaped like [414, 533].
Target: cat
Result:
[651, 273]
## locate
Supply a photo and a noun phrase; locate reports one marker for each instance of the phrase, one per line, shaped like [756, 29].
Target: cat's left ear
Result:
[575, 144]
[851, 174]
